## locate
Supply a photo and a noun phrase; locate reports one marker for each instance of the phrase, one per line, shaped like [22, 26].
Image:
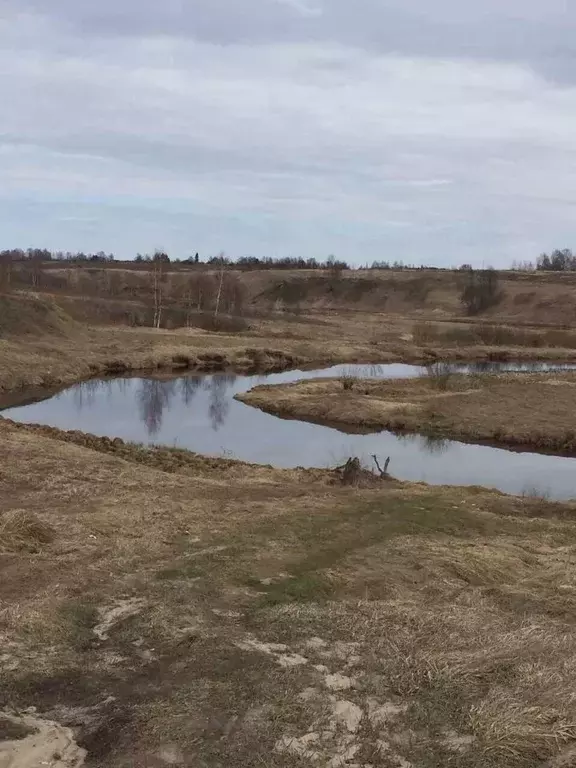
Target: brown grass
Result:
[256, 616]
[43, 348]
[444, 617]
[21, 530]
[519, 410]
[123, 292]
[466, 335]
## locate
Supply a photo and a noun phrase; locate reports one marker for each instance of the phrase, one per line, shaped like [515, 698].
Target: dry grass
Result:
[248, 608]
[255, 616]
[519, 410]
[469, 335]
[43, 348]
[21, 530]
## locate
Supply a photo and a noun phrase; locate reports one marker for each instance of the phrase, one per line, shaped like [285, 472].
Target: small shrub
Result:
[498, 335]
[348, 381]
[562, 339]
[424, 333]
[534, 492]
[481, 291]
[220, 323]
[182, 361]
[461, 336]
[439, 375]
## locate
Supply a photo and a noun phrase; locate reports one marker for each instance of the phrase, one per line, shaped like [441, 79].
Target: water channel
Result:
[198, 412]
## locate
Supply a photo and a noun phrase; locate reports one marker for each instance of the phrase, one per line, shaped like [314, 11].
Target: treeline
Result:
[43, 254]
[559, 260]
[16, 255]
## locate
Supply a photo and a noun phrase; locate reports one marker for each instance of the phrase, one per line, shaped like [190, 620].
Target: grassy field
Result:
[160, 608]
[235, 615]
[518, 410]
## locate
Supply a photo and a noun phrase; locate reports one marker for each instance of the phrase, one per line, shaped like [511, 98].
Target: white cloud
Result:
[309, 147]
[302, 7]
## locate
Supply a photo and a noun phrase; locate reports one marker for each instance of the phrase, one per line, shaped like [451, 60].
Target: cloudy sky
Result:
[432, 132]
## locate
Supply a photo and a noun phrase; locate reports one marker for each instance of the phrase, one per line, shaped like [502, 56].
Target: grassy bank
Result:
[41, 346]
[519, 410]
[247, 616]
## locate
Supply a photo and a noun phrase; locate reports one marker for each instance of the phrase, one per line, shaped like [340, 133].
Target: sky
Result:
[430, 132]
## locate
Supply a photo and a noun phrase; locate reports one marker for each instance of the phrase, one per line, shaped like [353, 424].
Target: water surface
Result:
[198, 412]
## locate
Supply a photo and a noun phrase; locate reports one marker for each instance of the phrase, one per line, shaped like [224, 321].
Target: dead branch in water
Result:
[383, 472]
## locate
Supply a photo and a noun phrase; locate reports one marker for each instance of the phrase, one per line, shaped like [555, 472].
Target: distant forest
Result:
[559, 260]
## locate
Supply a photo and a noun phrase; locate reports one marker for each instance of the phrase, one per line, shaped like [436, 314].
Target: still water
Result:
[198, 412]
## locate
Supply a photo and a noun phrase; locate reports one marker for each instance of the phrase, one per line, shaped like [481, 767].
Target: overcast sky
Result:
[429, 131]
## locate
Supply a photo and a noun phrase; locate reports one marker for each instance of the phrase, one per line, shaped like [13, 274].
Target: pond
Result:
[198, 412]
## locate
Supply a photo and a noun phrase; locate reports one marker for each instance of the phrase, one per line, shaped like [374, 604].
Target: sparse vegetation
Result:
[279, 595]
[348, 379]
[517, 410]
[481, 290]
[448, 335]
[439, 375]
[250, 610]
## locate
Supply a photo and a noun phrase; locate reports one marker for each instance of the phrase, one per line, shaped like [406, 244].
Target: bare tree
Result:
[481, 291]
[222, 261]
[158, 272]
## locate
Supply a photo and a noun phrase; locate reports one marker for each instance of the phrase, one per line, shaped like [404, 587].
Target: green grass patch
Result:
[79, 619]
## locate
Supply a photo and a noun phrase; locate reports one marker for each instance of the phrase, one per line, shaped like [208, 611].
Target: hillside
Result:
[121, 294]
[33, 315]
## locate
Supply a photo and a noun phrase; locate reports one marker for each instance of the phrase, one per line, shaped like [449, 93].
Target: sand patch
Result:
[113, 615]
[48, 744]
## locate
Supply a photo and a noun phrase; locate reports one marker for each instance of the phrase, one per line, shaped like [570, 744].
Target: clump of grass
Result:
[182, 361]
[440, 376]
[22, 531]
[423, 333]
[534, 492]
[79, 618]
[498, 335]
[303, 588]
[459, 335]
[348, 380]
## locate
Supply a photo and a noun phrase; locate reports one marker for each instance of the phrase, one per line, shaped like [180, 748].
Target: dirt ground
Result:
[519, 410]
[159, 608]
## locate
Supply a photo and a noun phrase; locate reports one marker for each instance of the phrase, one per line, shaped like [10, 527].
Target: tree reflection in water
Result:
[189, 386]
[433, 445]
[84, 395]
[219, 404]
[153, 396]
